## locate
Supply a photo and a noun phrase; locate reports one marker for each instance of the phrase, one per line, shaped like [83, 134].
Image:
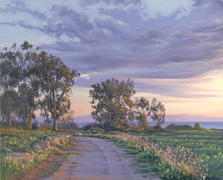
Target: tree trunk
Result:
[27, 123]
[30, 118]
[9, 121]
[159, 123]
[55, 125]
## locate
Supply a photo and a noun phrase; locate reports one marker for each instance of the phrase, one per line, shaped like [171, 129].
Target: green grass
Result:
[207, 144]
[21, 140]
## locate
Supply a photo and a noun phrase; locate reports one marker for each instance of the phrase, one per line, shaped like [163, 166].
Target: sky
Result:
[171, 49]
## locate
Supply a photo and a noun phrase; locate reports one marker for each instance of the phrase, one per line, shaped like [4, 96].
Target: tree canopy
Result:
[142, 107]
[33, 79]
[157, 112]
[57, 80]
[111, 100]
[113, 107]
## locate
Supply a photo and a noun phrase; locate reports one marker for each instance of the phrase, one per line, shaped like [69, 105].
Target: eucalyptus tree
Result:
[157, 112]
[10, 69]
[142, 107]
[29, 89]
[56, 82]
[10, 78]
[32, 78]
[67, 119]
[9, 106]
[111, 100]
[28, 103]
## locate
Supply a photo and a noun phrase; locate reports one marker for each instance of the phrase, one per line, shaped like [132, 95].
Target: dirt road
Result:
[98, 159]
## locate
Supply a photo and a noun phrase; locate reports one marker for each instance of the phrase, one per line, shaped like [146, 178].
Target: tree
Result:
[157, 112]
[27, 74]
[56, 81]
[66, 119]
[30, 86]
[27, 95]
[10, 70]
[18, 75]
[10, 104]
[111, 102]
[197, 126]
[142, 107]
[10, 78]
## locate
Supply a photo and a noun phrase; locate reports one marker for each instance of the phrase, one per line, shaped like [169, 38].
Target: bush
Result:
[197, 126]
[174, 126]
[157, 127]
[93, 127]
[45, 126]
[68, 126]
[18, 123]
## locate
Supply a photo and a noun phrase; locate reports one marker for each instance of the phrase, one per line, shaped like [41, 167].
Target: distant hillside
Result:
[169, 118]
[83, 119]
[189, 118]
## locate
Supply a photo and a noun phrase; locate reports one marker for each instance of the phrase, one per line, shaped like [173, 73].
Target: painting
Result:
[111, 89]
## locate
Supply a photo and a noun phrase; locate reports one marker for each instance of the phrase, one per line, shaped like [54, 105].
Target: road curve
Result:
[98, 159]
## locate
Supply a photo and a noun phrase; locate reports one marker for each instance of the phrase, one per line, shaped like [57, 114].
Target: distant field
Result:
[206, 125]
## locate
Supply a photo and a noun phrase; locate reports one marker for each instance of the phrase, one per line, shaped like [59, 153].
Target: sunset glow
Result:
[172, 50]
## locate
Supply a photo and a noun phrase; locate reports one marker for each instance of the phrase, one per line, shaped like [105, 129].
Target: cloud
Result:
[138, 39]
[155, 8]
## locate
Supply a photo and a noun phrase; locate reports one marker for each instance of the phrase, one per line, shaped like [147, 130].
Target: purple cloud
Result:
[116, 41]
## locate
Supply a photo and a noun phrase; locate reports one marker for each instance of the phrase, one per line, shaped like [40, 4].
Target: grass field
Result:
[13, 139]
[206, 145]
[175, 154]
[194, 154]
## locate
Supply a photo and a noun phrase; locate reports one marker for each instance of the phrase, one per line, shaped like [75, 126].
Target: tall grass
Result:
[13, 139]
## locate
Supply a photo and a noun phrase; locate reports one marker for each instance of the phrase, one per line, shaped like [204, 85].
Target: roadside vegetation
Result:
[14, 139]
[179, 154]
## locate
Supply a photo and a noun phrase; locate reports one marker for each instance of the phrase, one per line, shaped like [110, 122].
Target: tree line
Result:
[30, 80]
[113, 107]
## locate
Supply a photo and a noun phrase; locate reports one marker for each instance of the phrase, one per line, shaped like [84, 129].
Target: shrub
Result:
[174, 126]
[197, 126]
[45, 126]
[68, 126]
[91, 126]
